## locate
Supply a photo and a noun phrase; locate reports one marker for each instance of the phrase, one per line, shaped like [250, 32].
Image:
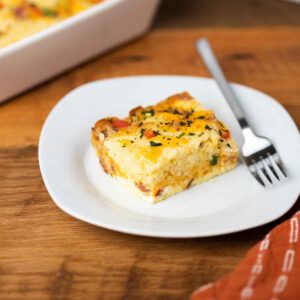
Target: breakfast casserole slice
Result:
[161, 150]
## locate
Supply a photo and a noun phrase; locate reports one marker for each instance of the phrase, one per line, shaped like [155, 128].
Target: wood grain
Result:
[46, 254]
[231, 13]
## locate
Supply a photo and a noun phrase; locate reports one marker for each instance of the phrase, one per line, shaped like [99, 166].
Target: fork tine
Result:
[265, 170]
[257, 174]
[277, 165]
[261, 172]
[272, 169]
[280, 166]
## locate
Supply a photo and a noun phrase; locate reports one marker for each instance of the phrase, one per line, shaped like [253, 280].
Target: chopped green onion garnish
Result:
[214, 160]
[142, 132]
[149, 113]
[154, 144]
[48, 12]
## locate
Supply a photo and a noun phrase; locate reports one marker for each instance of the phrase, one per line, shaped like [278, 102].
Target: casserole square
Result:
[160, 150]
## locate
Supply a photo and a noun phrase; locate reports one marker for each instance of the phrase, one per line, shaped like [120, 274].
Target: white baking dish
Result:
[68, 43]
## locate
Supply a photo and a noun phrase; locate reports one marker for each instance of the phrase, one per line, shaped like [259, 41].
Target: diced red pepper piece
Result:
[149, 133]
[120, 123]
[35, 10]
[225, 134]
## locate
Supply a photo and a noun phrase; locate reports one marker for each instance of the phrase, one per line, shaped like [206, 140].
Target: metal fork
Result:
[258, 153]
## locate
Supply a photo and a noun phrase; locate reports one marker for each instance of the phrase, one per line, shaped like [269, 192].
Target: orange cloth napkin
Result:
[270, 270]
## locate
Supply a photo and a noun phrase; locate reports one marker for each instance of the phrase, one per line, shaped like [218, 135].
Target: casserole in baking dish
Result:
[75, 39]
[21, 18]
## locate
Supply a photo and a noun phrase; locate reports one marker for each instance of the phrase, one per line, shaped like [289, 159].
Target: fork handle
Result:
[210, 60]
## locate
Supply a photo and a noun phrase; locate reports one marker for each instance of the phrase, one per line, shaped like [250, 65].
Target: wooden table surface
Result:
[46, 254]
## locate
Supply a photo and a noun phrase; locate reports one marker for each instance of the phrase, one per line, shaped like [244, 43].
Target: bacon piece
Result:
[189, 183]
[158, 192]
[136, 110]
[142, 187]
[20, 12]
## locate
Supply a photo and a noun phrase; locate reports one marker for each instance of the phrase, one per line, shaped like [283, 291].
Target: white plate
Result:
[228, 203]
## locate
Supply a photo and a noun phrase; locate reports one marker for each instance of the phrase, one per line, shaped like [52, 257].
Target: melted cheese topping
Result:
[168, 130]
